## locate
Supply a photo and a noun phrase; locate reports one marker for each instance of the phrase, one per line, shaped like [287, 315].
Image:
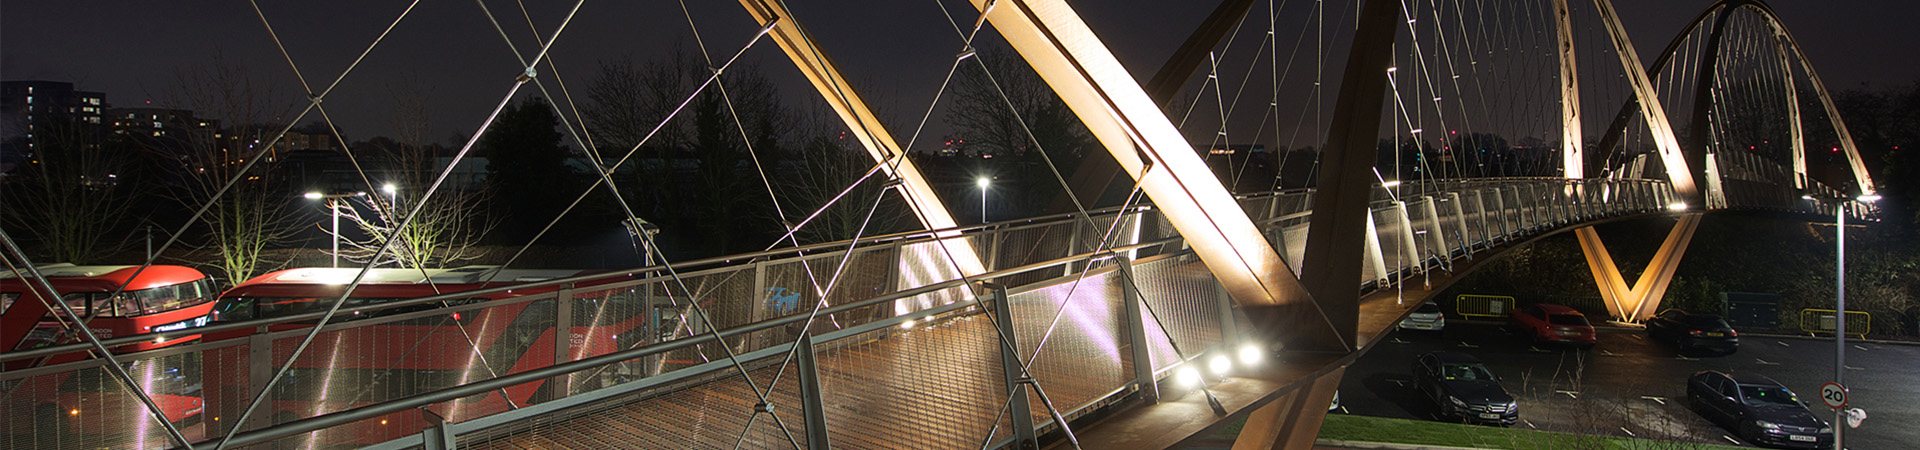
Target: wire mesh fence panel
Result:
[1257, 207]
[1393, 250]
[385, 359]
[91, 408]
[1070, 335]
[1474, 218]
[606, 321]
[1513, 211]
[1027, 245]
[1182, 307]
[921, 264]
[1424, 231]
[1292, 203]
[727, 299]
[938, 385]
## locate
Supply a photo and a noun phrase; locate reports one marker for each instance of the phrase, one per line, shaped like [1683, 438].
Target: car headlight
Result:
[1457, 402]
[1826, 429]
[1513, 406]
[1766, 424]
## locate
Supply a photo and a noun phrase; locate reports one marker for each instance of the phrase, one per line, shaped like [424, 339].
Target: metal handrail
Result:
[903, 238]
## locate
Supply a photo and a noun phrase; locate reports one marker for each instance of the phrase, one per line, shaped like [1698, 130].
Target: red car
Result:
[1554, 323]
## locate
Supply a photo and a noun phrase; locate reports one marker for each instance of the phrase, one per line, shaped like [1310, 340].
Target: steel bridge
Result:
[1133, 326]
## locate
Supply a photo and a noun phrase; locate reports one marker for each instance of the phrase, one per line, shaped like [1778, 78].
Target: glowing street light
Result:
[333, 206]
[983, 183]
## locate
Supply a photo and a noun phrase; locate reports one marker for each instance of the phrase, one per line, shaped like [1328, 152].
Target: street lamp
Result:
[333, 206]
[393, 195]
[1840, 303]
[983, 182]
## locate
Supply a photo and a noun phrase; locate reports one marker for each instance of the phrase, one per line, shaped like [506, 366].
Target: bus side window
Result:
[240, 308]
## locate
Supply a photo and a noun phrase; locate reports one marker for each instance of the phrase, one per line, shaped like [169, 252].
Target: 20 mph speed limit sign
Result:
[1834, 395]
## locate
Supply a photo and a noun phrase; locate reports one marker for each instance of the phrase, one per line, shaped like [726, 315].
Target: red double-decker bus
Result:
[68, 405]
[423, 351]
[161, 298]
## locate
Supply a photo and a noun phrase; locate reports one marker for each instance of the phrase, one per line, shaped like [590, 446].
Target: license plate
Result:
[1489, 416]
[1801, 438]
[1716, 334]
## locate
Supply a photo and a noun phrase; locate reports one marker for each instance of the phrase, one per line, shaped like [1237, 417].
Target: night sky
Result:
[896, 51]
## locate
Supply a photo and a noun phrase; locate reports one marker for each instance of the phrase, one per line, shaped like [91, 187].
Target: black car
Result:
[1688, 331]
[1462, 388]
[1757, 409]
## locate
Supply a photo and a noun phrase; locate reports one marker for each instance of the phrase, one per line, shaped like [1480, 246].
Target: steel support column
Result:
[1643, 298]
[852, 109]
[1340, 215]
[1019, 409]
[1053, 39]
[811, 406]
[1293, 420]
[1135, 319]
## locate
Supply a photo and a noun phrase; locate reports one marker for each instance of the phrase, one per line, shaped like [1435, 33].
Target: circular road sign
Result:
[1834, 395]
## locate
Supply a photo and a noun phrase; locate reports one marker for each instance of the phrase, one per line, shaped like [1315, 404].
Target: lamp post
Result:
[1840, 305]
[393, 197]
[334, 207]
[983, 182]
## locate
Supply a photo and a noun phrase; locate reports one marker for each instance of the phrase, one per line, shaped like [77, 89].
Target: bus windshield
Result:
[141, 302]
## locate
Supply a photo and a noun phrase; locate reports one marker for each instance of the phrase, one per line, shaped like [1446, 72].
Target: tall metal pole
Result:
[333, 205]
[1840, 311]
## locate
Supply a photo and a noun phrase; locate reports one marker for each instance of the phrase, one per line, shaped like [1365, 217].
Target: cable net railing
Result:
[901, 337]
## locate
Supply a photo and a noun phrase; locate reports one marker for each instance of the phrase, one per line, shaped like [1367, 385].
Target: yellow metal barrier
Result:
[1471, 305]
[1859, 323]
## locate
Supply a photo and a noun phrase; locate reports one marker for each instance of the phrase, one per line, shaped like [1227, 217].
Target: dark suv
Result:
[1757, 409]
[1689, 331]
[1462, 388]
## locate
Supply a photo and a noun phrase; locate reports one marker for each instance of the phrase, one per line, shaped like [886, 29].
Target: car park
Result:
[1462, 389]
[1427, 317]
[1691, 332]
[1549, 323]
[1757, 409]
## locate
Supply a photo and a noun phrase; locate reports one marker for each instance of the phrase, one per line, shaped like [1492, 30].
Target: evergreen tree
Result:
[527, 171]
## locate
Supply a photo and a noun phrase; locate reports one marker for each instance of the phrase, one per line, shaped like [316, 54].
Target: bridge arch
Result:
[1787, 47]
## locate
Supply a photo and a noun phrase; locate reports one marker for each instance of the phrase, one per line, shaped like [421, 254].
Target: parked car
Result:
[1689, 331]
[1462, 388]
[1757, 409]
[1554, 323]
[1426, 317]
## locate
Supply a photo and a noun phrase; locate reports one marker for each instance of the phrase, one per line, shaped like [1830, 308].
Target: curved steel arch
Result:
[1723, 8]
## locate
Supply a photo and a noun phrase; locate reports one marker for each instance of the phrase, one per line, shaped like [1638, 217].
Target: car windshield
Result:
[1466, 372]
[1429, 308]
[1568, 319]
[1768, 396]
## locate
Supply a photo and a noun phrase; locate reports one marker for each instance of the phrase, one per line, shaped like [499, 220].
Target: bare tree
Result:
[448, 228]
[831, 163]
[233, 120]
[70, 195]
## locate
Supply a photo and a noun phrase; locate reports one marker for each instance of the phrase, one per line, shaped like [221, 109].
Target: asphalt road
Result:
[1631, 386]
